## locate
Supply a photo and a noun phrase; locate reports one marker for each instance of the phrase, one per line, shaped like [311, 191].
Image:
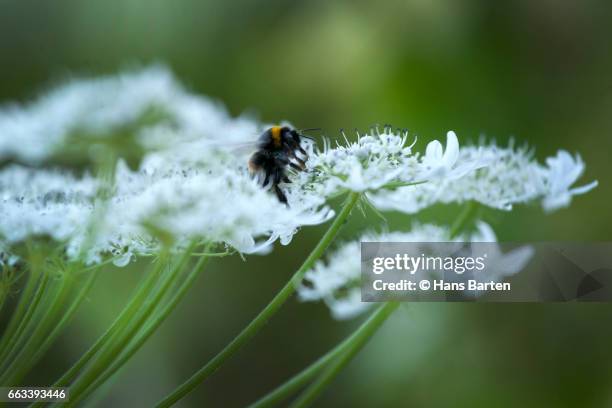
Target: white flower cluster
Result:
[494, 176]
[192, 182]
[51, 202]
[215, 201]
[186, 185]
[101, 107]
[218, 203]
[337, 282]
[385, 168]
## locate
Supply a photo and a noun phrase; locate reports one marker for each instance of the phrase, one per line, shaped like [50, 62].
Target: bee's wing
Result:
[239, 148]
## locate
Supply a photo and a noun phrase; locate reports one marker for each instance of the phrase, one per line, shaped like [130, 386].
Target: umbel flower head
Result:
[394, 177]
[216, 202]
[337, 281]
[150, 103]
[383, 161]
[498, 177]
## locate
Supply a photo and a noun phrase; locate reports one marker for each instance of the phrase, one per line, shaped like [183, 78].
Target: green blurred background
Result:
[537, 71]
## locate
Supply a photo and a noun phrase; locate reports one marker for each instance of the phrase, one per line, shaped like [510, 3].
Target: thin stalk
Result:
[8, 278]
[3, 295]
[37, 334]
[365, 333]
[152, 326]
[59, 326]
[468, 211]
[126, 314]
[262, 318]
[303, 377]
[118, 343]
[22, 307]
[33, 276]
[27, 317]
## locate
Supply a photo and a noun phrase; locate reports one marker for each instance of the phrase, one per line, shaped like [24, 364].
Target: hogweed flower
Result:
[337, 281]
[150, 101]
[562, 172]
[493, 176]
[217, 203]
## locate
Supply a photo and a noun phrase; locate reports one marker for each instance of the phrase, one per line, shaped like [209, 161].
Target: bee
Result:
[277, 149]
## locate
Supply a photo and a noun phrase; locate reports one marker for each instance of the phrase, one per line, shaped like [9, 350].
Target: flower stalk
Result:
[351, 344]
[149, 327]
[363, 334]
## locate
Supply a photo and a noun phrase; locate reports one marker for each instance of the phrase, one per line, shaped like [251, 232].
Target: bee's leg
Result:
[301, 150]
[301, 165]
[290, 147]
[282, 162]
[266, 179]
[286, 179]
[296, 167]
[281, 196]
[296, 140]
[301, 162]
[279, 173]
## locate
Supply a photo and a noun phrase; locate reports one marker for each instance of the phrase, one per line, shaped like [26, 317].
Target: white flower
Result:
[149, 101]
[563, 171]
[43, 203]
[499, 264]
[379, 161]
[213, 202]
[218, 202]
[499, 177]
[439, 162]
[337, 282]
[367, 164]
[384, 162]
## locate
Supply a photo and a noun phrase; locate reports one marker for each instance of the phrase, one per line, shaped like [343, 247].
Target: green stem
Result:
[118, 343]
[262, 318]
[468, 211]
[364, 333]
[299, 380]
[25, 322]
[37, 333]
[126, 314]
[155, 322]
[397, 184]
[24, 300]
[8, 278]
[59, 326]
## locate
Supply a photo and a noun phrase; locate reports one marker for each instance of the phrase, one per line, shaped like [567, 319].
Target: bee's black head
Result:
[290, 134]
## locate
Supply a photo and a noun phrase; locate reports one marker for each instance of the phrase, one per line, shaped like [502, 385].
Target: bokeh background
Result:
[538, 71]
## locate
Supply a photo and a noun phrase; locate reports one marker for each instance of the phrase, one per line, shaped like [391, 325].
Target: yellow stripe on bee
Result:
[275, 131]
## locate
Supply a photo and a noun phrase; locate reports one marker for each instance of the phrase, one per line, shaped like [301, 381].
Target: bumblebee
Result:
[277, 149]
